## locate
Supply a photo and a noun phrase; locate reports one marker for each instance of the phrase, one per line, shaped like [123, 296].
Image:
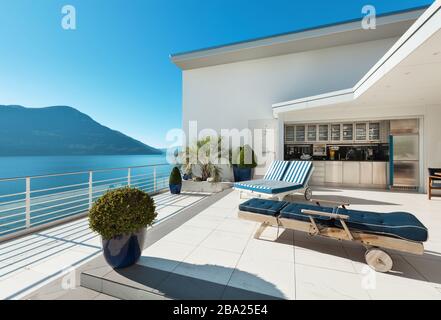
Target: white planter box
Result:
[204, 186]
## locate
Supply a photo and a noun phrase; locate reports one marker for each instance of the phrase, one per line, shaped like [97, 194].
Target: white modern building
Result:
[365, 104]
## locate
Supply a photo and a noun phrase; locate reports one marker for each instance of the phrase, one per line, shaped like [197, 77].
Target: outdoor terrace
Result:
[206, 252]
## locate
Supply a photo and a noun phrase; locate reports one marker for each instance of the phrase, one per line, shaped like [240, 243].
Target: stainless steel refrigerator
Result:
[405, 153]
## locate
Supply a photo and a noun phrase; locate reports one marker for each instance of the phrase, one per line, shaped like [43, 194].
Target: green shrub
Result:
[175, 176]
[246, 158]
[122, 212]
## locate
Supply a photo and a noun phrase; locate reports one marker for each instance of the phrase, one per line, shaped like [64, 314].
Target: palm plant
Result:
[205, 153]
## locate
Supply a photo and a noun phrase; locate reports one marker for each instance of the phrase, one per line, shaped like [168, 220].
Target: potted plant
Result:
[201, 156]
[121, 217]
[244, 163]
[188, 171]
[175, 182]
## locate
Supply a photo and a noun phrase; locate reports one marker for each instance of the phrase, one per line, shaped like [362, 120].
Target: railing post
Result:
[90, 189]
[129, 179]
[28, 202]
[154, 179]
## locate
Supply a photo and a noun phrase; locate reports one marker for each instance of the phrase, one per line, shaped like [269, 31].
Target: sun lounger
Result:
[282, 178]
[400, 231]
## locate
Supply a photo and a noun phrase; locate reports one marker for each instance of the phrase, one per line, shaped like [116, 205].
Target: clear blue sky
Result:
[115, 66]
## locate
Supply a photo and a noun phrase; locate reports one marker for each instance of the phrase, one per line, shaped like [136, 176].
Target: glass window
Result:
[324, 132]
[312, 133]
[335, 132]
[300, 133]
[348, 132]
[360, 131]
[289, 133]
[374, 131]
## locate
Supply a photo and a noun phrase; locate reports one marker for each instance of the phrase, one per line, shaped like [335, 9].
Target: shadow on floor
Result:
[326, 189]
[177, 286]
[350, 200]
[405, 265]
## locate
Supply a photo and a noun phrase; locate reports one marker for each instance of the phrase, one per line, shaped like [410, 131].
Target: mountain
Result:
[61, 130]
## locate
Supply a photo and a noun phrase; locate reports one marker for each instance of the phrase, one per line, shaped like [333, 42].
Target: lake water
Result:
[17, 167]
[11, 167]
[57, 197]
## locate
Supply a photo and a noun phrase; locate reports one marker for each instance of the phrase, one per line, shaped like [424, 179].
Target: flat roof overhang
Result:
[349, 32]
[408, 74]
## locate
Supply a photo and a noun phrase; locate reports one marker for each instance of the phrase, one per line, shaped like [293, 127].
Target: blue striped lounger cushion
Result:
[267, 186]
[298, 172]
[276, 170]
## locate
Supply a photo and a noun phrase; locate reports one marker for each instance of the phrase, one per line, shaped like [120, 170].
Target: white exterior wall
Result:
[228, 96]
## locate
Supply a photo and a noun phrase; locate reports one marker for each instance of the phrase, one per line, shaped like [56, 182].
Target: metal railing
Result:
[28, 204]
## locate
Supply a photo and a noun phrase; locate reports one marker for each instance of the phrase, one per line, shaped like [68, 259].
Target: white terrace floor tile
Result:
[219, 212]
[403, 282]
[59, 262]
[222, 240]
[390, 287]
[314, 283]
[187, 201]
[273, 234]
[202, 221]
[428, 268]
[237, 226]
[209, 264]
[9, 285]
[93, 242]
[328, 257]
[165, 255]
[164, 212]
[271, 277]
[41, 255]
[229, 202]
[269, 250]
[188, 235]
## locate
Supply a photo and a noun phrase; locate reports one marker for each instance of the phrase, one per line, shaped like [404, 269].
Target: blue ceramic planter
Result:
[240, 174]
[124, 251]
[175, 188]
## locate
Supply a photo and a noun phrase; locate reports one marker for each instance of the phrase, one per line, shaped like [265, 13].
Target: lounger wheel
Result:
[378, 260]
[308, 194]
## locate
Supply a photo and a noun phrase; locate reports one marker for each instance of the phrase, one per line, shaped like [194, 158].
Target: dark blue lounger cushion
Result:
[396, 224]
[294, 211]
[400, 224]
[268, 187]
[262, 206]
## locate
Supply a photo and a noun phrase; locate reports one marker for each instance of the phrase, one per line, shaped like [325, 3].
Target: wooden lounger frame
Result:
[368, 240]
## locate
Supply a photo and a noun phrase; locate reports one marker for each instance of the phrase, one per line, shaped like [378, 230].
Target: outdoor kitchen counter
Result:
[370, 174]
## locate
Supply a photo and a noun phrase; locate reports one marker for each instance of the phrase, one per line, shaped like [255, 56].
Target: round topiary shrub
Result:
[122, 212]
[175, 176]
